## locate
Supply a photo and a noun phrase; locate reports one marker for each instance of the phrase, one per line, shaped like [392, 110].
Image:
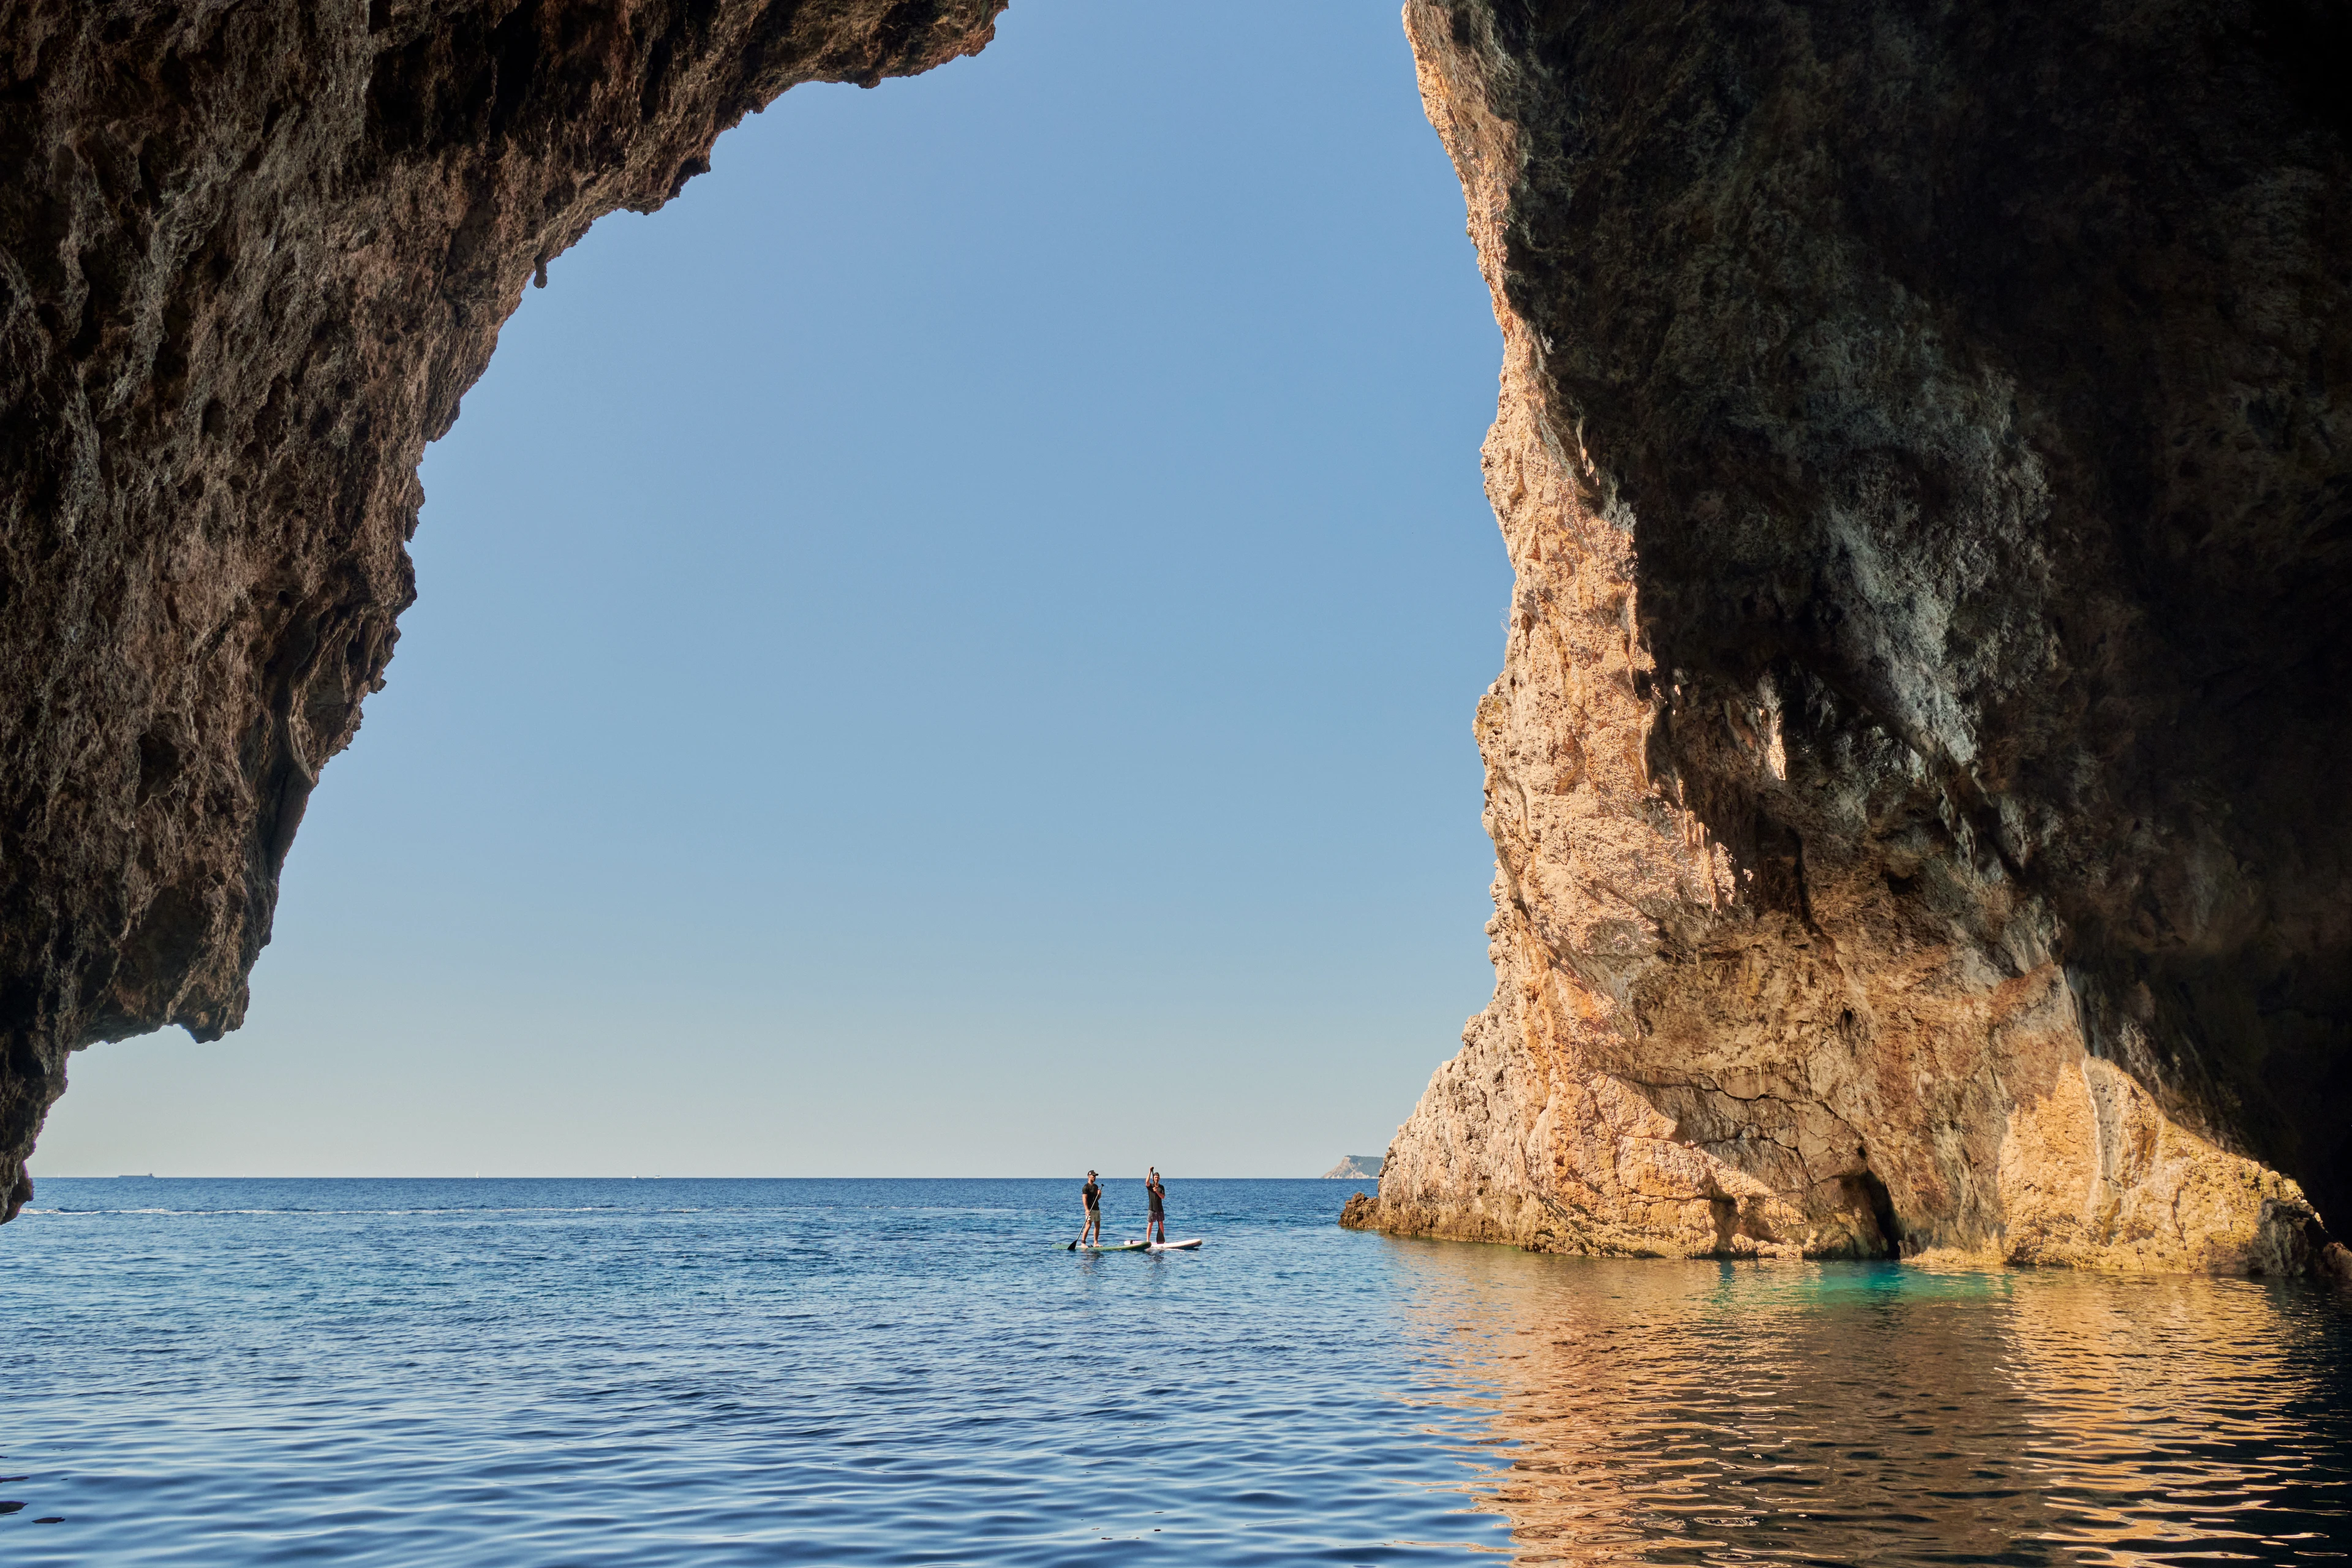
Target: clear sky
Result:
[948, 651]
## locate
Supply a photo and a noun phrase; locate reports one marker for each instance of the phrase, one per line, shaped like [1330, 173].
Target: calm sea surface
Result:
[680, 1372]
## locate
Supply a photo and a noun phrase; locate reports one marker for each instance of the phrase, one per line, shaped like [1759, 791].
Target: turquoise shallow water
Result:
[675, 1371]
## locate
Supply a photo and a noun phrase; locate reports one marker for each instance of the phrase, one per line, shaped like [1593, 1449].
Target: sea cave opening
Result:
[970, 612]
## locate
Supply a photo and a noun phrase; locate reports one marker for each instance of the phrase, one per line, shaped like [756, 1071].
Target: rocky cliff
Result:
[1918, 773]
[251, 254]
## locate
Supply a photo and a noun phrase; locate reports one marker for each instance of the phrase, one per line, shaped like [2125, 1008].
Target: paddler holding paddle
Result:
[1091, 1194]
[1156, 1228]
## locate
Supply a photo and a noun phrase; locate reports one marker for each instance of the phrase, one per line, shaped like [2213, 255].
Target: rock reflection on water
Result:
[1696, 1413]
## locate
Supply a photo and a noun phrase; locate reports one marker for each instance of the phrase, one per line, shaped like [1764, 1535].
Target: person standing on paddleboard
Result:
[1091, 1194]
[1156, 1228]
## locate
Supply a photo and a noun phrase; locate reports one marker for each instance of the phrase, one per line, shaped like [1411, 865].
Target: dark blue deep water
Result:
[677, 1371]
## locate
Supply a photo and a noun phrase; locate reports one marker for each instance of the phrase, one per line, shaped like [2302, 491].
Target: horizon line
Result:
[170, 1176]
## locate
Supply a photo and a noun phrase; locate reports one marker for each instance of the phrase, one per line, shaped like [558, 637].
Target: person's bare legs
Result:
[1090, 1199]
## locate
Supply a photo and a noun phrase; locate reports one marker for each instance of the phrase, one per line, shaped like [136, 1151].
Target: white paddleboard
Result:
[1176, 1246]
[1122, 1246]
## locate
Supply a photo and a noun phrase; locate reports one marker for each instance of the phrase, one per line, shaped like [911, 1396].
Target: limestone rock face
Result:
[251, 254]
[1918, 773]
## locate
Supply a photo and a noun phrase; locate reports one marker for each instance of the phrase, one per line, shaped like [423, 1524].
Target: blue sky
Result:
[948, 651]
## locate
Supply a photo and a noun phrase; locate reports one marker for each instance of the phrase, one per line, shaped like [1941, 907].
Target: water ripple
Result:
[1699, 1413]
[853, 1373]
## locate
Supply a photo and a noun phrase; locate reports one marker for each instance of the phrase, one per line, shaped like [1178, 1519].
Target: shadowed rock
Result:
[1916, 775]
[250, 258]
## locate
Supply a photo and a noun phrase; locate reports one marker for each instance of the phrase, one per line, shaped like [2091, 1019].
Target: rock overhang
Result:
[1912, 774]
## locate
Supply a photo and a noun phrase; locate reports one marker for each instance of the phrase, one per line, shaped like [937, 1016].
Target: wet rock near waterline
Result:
[251, 256]
[1925, 454]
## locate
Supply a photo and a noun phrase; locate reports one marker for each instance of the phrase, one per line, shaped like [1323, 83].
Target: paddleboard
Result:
[1176, 1246]
[1122, 1246]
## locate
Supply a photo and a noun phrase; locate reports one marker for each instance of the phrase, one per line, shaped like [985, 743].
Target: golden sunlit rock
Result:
[1913, 775]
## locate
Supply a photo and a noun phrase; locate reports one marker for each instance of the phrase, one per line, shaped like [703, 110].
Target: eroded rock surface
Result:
[251, 254]
[1918, 773]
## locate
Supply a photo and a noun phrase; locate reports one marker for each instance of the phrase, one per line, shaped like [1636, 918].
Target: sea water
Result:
[914, 1371]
